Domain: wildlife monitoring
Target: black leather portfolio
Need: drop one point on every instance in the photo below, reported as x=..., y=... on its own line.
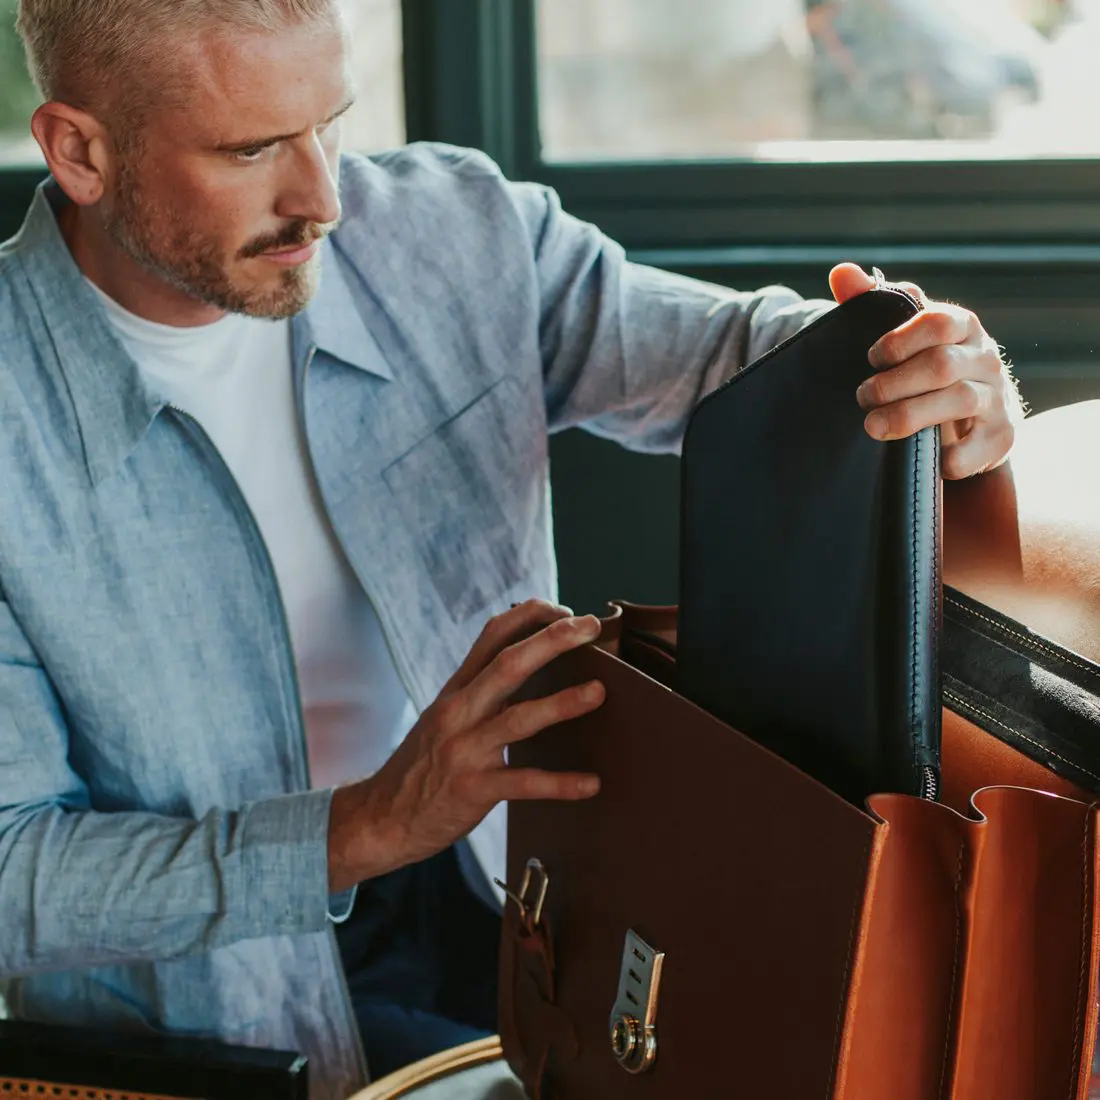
x=810, y=589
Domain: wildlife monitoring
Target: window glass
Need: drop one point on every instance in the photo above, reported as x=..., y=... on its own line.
x=18, y=97
x=818, y=79
x=375, y=122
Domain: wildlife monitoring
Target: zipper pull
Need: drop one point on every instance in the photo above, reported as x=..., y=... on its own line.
x=882, y=284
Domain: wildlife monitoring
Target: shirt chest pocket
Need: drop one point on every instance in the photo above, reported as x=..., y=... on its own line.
x=474, y=496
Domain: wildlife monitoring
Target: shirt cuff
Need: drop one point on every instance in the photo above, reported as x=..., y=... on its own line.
x=284, y=863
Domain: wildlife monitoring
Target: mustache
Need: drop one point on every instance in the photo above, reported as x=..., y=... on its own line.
x=295, y=235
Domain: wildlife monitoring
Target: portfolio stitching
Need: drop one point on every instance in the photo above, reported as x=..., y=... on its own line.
x=937, y=551
x=955, y=993
x=841, y=1010
x=967, y=705
x=1082, y=983
x=1030, y=642
x=916, y=598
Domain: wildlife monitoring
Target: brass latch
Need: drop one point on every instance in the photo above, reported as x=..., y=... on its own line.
x=535, y=877
x=634, y=1017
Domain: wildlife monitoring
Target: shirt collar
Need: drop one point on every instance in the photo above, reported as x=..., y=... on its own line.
x=114, y=407
x=333, y=321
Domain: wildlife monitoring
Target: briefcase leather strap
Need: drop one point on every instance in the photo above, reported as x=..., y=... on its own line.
x=533, y=1028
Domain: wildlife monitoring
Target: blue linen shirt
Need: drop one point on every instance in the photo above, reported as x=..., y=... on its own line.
x=163, y=860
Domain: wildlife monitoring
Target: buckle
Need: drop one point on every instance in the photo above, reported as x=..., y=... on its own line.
x=533, y=873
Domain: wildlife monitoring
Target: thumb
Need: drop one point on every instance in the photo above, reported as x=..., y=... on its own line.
x=848, y=280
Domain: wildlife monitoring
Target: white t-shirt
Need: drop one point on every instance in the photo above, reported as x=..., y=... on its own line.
x=235, y=378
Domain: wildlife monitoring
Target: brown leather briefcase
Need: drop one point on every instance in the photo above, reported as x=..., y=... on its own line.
x=716, y=923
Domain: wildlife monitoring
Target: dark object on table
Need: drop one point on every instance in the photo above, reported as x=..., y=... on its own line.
x=168, y=1068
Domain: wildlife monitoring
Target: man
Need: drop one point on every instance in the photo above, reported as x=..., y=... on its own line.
x=273, y=429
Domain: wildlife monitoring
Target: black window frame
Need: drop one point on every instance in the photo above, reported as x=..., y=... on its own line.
x=1016, y=240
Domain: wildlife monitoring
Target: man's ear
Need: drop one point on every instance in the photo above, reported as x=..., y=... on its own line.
x=76, y=149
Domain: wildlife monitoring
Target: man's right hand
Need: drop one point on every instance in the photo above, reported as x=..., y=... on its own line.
x=450, y=770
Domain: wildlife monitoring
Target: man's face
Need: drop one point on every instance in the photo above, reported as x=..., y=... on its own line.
x=224, y=194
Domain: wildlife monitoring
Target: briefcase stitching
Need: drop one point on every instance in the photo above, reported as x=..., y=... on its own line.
x=1030, y=643
x=966, y=706
x=842, y=1008
x=937, y=581
x=914, y=611
x=1082, y=985
x=955, y=992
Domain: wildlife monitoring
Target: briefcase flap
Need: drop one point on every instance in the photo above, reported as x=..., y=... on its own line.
x=744, y=872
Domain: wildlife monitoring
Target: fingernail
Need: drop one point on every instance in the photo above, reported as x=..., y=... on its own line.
x=863, y=396
x=566, y=610
x=589, y=786
x=592, y=692
x=877, y=425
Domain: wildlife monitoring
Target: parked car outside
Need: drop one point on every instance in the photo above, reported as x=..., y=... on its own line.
x=919, y=69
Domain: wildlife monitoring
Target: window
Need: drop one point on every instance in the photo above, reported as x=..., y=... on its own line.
x=625, y=107
x=948, y=142
x=816, y=79
x=376, y=121
x=18, y=97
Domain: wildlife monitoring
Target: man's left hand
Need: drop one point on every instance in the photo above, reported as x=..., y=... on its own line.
x=940, y=367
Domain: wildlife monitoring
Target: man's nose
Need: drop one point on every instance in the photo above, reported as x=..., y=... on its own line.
x=310, y=192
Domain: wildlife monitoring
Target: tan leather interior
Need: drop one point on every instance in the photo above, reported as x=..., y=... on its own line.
x=998, y=885
x=973, y=957
x=972, y=760
x=976, y=946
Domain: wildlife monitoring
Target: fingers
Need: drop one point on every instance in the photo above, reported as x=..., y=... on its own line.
x=962, y=401
x=934, y=369
x=500, y=631
x=939, y=324
x=531, y=784
x=978, y=452
x=524, y=720
x=848, y=280
x=514, y=665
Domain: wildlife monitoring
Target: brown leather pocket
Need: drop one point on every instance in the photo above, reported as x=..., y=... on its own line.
x=976, y=963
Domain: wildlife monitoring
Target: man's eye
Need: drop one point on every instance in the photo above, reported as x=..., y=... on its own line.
x=251, y=154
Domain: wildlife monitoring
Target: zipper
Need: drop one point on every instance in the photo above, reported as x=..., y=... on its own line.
x=398, y=665
x=395, y=655
x=930, y=784
x=929, y=776
x=290, y=671
x=882, y=284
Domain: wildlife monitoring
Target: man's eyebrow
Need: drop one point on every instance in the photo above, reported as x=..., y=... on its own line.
x=263, y=142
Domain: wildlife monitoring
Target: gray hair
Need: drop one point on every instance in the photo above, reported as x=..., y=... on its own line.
x=78, y=49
